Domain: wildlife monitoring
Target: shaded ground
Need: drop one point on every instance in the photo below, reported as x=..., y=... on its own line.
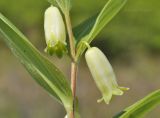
x=21, y=97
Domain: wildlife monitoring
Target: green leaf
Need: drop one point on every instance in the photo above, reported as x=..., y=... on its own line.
x=77, y=115
x=84, y=28
x=41, y=69
x=139, y=109
x=91, y=28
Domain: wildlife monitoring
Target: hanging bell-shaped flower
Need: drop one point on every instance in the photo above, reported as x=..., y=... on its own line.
x=55, y=33
x=103, y=74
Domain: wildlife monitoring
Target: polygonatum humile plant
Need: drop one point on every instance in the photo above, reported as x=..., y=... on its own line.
x=62, y=39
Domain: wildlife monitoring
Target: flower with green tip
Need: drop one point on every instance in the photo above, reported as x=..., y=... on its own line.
x=55, y=33
x=103, y=74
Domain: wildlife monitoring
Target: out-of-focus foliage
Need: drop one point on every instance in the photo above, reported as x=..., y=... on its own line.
x=139, y=19
x=26, y=12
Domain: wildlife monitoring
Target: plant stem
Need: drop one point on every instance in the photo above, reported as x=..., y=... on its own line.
x=73, y=78
x=74, y=66
x=71, y=37
x=74, y=69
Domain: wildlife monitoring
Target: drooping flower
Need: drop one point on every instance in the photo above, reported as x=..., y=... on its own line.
x=103, y=74
x=55, y=33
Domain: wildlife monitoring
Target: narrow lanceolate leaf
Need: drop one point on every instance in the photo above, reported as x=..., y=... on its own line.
x=95, y=24
x=139, y=109
x=41, y=69
x=84, y=28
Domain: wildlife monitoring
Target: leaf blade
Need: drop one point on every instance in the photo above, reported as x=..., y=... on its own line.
x=140, y=108
x=84, y=28
x=41, y=69
x=111, y=8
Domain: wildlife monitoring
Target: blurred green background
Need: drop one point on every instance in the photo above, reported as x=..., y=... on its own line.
x=131, y=41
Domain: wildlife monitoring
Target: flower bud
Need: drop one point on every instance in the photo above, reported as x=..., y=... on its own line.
x=103, y=74
x=55, y=33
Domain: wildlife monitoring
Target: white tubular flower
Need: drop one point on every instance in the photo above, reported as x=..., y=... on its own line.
x=66, y=116
x=55, y=33
x=103, y=74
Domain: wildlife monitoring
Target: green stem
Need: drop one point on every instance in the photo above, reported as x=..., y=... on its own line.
x=86, y=44
x=71, y=37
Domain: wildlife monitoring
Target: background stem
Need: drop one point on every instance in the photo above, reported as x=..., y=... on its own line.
x=74, y=66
